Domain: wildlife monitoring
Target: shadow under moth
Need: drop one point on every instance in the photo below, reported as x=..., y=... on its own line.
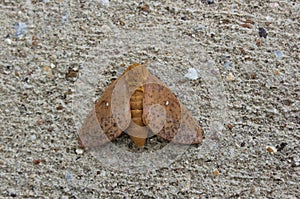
x=139, y=104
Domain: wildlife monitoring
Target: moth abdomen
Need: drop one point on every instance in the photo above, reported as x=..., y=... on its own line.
x=136, y=106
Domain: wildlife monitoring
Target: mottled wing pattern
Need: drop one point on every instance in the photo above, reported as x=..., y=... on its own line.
x=161, y=95
x=101, y=125
x=179, y=126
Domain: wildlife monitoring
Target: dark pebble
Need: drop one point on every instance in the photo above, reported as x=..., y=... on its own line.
x=262, y=32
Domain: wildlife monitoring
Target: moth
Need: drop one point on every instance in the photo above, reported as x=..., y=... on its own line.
x=139, y=104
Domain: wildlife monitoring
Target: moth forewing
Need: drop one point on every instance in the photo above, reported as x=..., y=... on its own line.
x=91, y=135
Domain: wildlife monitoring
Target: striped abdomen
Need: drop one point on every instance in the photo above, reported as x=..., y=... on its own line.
x=136, y=106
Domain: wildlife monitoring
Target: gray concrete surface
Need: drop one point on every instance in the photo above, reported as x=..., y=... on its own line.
x=57, y=57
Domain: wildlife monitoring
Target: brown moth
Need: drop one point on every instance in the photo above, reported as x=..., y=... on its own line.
x=139, y=104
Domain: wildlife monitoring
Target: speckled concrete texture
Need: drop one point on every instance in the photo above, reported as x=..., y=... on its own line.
x=57, y=57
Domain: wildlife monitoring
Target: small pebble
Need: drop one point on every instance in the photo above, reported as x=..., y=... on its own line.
x=32, y=176
x=216, y=172
x=59, y=107
x=52, y=65
x=33, y=137
x=227, y=65
x=145, y=8
x=270, y=19
x=38, y=161
x=104, y=2
x=230, y=77
x=8, y=41
x=68, y=175
x=278, y=54
x=258, y=42
x=246, y=25
x=192, y=74
x=64, y=18
x=230, y=126
x=267, y=23
x=262, y=32
x=243, y=144
x=210, y=1
x=79, y=151
x=122, y=23
x=72, y=74
x=35, y=40
x=21, y=29
x=271, y=149
x=276, y=72
x=12, y=192
x=253, y=75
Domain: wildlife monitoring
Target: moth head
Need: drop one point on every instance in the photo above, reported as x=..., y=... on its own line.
x=132, y=66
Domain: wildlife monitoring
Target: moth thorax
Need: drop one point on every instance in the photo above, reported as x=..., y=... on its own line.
x=136, y=106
